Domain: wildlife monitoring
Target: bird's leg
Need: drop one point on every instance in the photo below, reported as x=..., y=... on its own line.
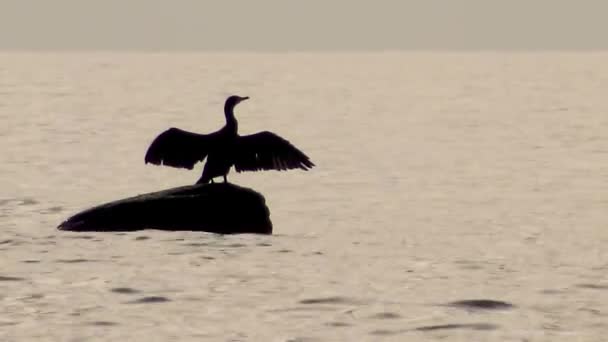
x=212, y=182
x=225, y=179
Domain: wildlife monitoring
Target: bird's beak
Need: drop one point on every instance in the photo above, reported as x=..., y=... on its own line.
x=244, y=98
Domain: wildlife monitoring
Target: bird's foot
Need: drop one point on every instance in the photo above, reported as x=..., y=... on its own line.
x=202, y=181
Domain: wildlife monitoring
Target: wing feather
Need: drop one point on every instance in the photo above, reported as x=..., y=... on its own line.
x=268, y=151
x=178, y=148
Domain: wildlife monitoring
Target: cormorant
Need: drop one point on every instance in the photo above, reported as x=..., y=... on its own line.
x=225, y=148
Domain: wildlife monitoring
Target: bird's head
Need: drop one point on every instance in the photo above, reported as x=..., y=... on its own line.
x=233, y=100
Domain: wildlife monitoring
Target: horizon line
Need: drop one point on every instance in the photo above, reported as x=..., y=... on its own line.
x=294, y=50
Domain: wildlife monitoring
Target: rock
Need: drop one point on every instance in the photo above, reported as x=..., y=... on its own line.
x=221, y=208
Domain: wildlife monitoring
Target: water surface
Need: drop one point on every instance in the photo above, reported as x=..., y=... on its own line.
x=457, y=195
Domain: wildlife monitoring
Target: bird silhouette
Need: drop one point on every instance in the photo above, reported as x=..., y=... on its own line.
x=226, y=148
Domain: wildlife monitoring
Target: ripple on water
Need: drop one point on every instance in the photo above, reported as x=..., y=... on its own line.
x=592, y=311
x=12, y=243
x=103, y=323
x=6, y=323
x=6, y=278
x=338, y=324
x=150, y=300
x=197, y=244
x=386, y=332
x=553, y=291
x=27, y=201
x=303, y=339
x=308, y=308
x=33, y=297
x=336, y=300
x=83, y=237
x=125, y=290
x=284, y=251
x=18, y=201
x=74, y=261
x=593, y=286
x=470, y=326
x=51, y=210
x=481, y=304
x=386, y=315
x=438, y=327
x=236, y=245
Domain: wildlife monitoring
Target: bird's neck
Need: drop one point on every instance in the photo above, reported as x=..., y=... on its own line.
x=231, y=122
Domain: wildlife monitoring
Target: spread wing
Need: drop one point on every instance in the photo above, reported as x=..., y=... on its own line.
x=179, y=148
x=268, y=151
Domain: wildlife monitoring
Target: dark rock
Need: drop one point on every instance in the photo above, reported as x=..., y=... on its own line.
x=221, y=208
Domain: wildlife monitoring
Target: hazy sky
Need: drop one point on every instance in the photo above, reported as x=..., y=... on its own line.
x=303, y=24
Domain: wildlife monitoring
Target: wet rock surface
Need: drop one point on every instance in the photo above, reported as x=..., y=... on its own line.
x=215, y=208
